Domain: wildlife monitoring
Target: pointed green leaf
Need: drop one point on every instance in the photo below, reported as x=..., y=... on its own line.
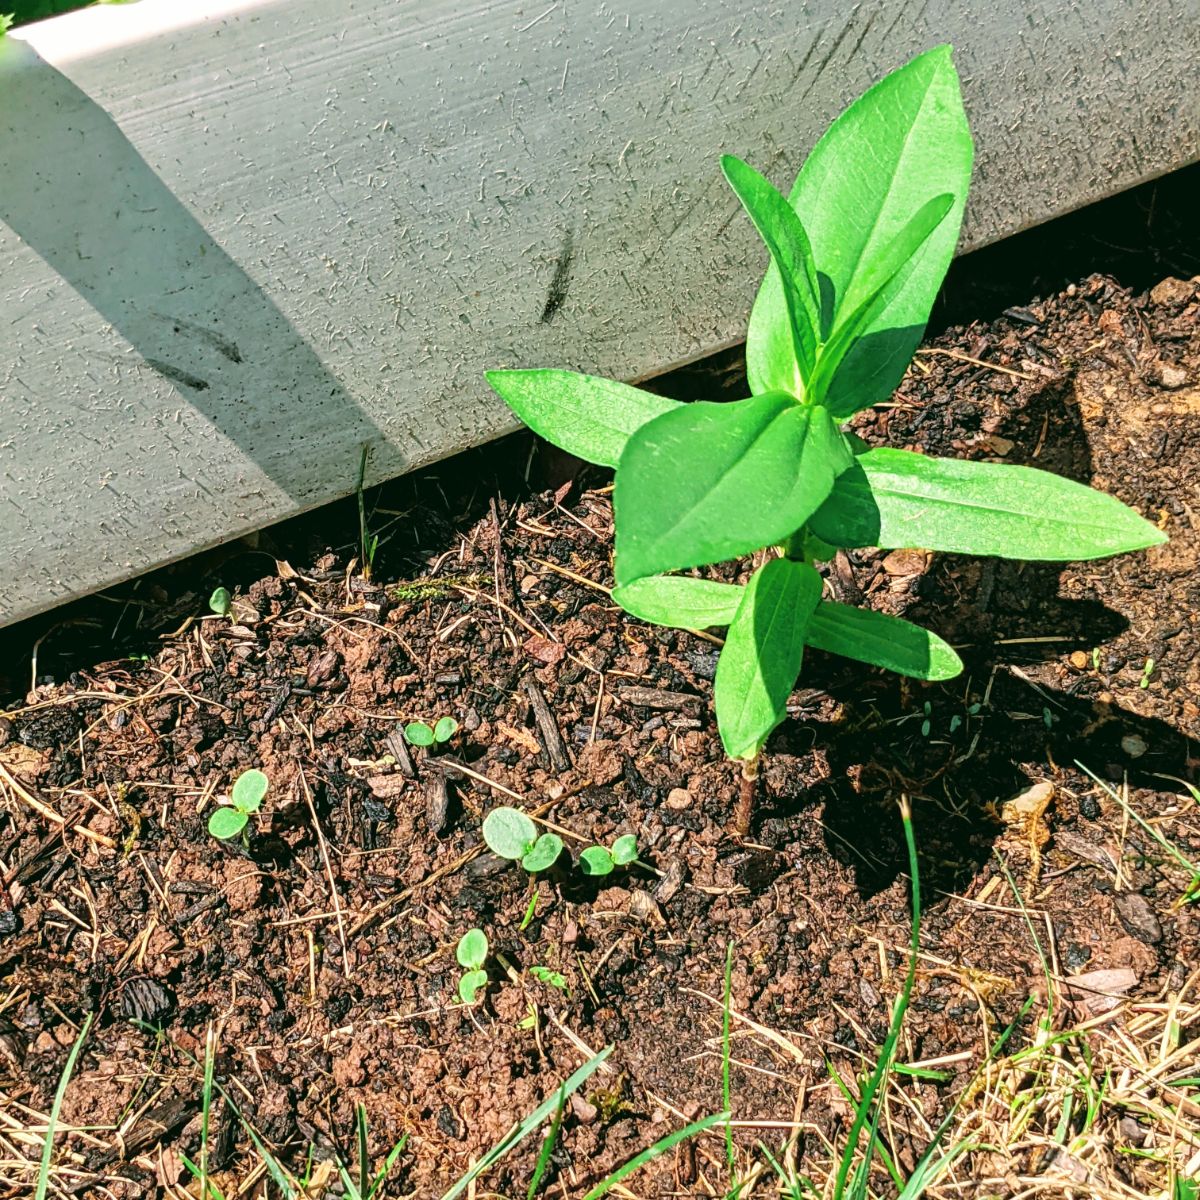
x=472, y=949
x=763, y=652
x=782, y=231
x=595, y=860
x=227, y=822
x=589, y=417
x=509, y=832
x=884, y=641
x=708, y=482
x=895, y=148
x=543, y=853
x=249, y=788
x=896, y=499
x=877, y=285
x=679, y=601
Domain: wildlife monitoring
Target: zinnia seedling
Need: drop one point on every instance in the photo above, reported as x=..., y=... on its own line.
x=596, y=860
x=511, y=834
x=858, y=250
x=247, y=796
x=472, y=952
x=417, y=733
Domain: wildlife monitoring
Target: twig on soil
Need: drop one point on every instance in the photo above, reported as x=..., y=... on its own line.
x=49, y=814
x=337, y=906
x=399, y=751
x=975, y=362
x=547, y=726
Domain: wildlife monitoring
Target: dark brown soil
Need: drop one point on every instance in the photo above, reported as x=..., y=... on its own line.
x=324, y=951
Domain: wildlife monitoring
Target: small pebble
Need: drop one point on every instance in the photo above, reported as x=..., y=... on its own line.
x=1133, y=745
x=679, y=799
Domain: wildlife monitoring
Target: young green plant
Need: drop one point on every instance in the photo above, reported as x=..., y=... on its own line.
x=472, y=953
x=858, y=249
x=596, y=860
x=509, y=833
x=246, y=797
x=417, y=733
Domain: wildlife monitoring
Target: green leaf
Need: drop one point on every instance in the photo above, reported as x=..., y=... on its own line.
x=470, y=985
x=417, y=733
x=896, y=499
x=546, y=975
x=249, y=788
x=894, y=149
x=763, y=652
x=889, y=642
x=221, y=602
x=472, y=949
x=876, y=284
x=624, y=850
x=589, y=417
x=708, y=482
x=509, y=833
x=679, y=601
x=226, y=822
x=445, y=729
x=542, y=854
x=595, y=860
x=782, y=231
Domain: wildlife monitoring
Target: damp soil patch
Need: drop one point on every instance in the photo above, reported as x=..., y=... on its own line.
x=323, y=950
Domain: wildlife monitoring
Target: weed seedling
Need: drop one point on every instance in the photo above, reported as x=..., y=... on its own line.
x=417, y=733
x=221, y=602
x=596, y=860
x=547, y=976
x=1147, y=671
x=511, y=834
x=858, y=250
x=247, y=796
x=472, y=952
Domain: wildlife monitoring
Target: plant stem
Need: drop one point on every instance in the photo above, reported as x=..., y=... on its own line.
x=747, y=786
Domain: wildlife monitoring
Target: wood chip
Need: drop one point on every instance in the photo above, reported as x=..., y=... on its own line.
x=660, y=698
x=547, y=726
x=1100, y=991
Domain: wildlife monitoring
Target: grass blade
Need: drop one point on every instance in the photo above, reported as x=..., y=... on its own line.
x=652, y=1152
x=527, y=1126
x=547, y=1146
x=730, y=1156
x=43, y=1179
x=863, y=1112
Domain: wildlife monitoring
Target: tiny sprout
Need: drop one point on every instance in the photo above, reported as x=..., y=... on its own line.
x=927, y=724
x=246, y=797
x=1095, y=658
x=511, y=834
x=551, y=978
x=472, y=952
x=417, y=733
x=221, y=602
x=596, y=860
x=1147, y=671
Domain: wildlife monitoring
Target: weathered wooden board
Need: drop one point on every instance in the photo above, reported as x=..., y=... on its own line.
x=240, y=240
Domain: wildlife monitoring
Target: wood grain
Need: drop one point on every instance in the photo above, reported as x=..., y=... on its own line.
x=238, y=241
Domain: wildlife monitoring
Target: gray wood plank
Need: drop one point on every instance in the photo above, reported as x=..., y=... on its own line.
x=239, y=240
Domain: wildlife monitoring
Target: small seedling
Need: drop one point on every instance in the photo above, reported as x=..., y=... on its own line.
x=511, y=834
x=472, y=953
x=1147, y=671
x=596, y=860
x=550, y=978
x=417, y=733
x=246, y=797
x=858, y=250
x=221, y=602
